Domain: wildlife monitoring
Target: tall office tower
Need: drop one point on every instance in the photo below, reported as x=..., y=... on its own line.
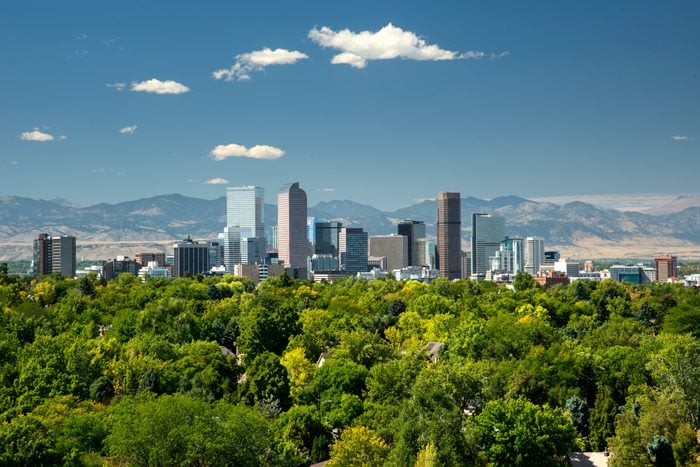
x=216, y=257
x=393, y=247
x=145, y=258
x=449, y=238
x=253, y=250
x=245, y=208
x=54, y=254
x=415, y=231
x=534, y=254
x=430, y=254
x=232, y=247
x=63, y=255
x=42, y=255
x=353, y=250
x=487, y=235
x=327, y=235
x=510, y=256
x=292, y=241
x=666, y=267
x=466, y=257
x=190, y=258
x=311, y=230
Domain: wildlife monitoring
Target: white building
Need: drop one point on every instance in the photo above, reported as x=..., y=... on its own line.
x=154, y=271
x=534, y=254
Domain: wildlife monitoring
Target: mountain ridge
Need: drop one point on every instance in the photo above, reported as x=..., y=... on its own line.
x=172, y=216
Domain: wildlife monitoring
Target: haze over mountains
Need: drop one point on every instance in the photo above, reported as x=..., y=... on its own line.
x=578, y=229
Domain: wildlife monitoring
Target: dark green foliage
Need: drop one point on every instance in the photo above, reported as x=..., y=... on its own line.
x=189, y=371
x=661, y=452
x=102, y=389
x=518, y=433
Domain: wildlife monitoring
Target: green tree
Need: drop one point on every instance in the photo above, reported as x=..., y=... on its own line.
x=358, y=446
x=518, y=433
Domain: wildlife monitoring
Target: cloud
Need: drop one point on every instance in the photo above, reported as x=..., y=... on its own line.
x=62, y=138
x=36, y=135
x=14, y=163
x=117, y=86
x=157, y=86
x=128, y=130
x=680, y=138
x=326, y=190
x=390, y=42
x=261, y=151
x=258, y=60
x=217, y=181
x=81, y=37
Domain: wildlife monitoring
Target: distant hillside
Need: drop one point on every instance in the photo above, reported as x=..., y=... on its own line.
x=161, y=219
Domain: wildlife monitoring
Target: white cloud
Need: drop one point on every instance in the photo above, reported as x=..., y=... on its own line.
x=217, y=181
x=390, y=42
x=326, y=190
x=128, y=130
x=261, y=151
x=14, y=163
x=36, y=135
x=117, y=86
x=680, y=138
x=257, y=61
x=157, y=86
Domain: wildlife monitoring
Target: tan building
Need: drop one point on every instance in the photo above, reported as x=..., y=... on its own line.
x=292, y=241
x=666, y=267
x=393, y=247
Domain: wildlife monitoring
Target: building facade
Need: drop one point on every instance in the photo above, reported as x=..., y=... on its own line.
x=54, y=254
x=449, y=236
x=190, y=258
x=353, y=250
x=666, y=267
x=292, y=241
x=415, y=232
x=393, y=247
x=488, y=231
x=534, y=254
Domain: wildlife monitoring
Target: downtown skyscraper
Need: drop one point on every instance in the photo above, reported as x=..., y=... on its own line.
x=292, y=238
x=244, y=213
x=488, y=231
x=449, y=237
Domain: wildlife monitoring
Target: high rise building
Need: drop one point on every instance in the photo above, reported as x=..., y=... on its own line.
x=327, y=236
x=510, y=257
x=54, y=254
x=353, y=246
x=245, y=208
x=487, y=235
x=666, y=267
x=449, y=237
x=144, y=258
x=119, y=265
x=534, y=254
x=190, y=258
x=232, y=247
x=292, y=241
x=393, y=247
x=415, y=232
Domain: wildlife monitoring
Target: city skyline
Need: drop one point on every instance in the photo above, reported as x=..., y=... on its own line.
x=247, y=97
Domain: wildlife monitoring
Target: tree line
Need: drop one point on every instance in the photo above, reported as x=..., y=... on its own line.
x=215, y=371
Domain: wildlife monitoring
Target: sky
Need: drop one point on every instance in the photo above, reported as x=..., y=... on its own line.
x=380, y=102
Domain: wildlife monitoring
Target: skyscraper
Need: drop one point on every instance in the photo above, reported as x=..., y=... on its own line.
x=190, y=258
x=353, y=250
x=54, y=254
x=487, y=235
x=534, y=254
x=292, y=241
x=232, y=247
x=666, y=267
x=449, y=237
x=393, y=247
x=415, y=231
x=326, y=235
x=245, y=208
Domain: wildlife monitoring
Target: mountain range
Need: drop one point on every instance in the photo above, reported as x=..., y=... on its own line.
x=579, y=229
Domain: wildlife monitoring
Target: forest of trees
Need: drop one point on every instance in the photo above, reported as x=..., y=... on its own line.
x=214, y=371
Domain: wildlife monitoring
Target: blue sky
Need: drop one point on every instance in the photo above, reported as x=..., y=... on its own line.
x=488, y=98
